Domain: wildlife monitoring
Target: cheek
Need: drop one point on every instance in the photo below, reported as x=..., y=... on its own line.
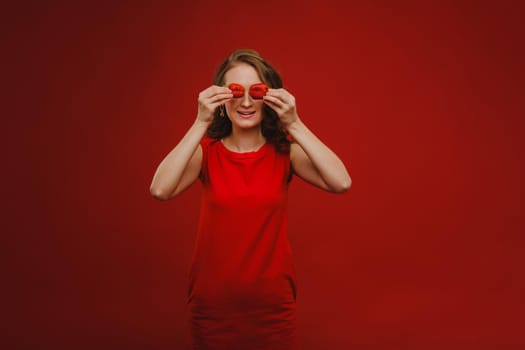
x=231, y=106
x=259, y=106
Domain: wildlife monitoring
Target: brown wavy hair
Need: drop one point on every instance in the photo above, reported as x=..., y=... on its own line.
x=270, y=126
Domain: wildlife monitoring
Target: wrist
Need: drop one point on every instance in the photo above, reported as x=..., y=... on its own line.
x=201, y=123
x=200, y=127
x=295, y=127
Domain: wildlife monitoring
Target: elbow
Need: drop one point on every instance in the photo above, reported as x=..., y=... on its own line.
x=158, y=194
x=343, y=186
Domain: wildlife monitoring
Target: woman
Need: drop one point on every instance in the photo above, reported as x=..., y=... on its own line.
x=244, y=146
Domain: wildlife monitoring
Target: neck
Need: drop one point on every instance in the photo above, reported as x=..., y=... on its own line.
x=245, y=140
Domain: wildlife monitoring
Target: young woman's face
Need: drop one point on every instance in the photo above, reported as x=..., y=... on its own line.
x=245, y=111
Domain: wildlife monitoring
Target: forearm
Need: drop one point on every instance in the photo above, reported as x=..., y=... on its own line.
x=171, y=169
x=328, y=164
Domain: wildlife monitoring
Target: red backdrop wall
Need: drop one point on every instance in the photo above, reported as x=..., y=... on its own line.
x=423, y=101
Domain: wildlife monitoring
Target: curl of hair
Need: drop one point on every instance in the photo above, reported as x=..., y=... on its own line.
x=271, y=128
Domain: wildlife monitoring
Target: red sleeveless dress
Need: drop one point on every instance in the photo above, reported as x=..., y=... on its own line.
x=242, y=282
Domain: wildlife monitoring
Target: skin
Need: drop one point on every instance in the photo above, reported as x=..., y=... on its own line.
x=311, y=159
x=246, y=131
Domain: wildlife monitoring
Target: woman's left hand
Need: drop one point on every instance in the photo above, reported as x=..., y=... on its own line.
x=283, y=103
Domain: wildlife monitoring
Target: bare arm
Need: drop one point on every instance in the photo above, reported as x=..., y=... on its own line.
x=181, y=167
x=315, y=163
x=311, y=159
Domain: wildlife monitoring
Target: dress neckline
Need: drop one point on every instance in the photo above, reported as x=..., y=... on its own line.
x=250, y=154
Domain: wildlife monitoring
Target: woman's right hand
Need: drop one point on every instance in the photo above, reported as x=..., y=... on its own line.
x=210, y=99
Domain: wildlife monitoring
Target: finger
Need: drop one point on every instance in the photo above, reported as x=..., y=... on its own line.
x=223, y=97
x=281, y=95
x=278, y=91
x=214, y=105
x=273, y=101
x=273, y=106
x=214, y=90
x=219, y=89
x=219, y=99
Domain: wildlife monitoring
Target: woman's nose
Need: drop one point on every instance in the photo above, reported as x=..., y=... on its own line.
x=246, y=100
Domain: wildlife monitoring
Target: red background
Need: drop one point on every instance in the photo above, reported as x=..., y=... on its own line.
x=423, y=101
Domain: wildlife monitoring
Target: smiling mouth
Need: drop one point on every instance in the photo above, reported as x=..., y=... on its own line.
x=246, y=114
